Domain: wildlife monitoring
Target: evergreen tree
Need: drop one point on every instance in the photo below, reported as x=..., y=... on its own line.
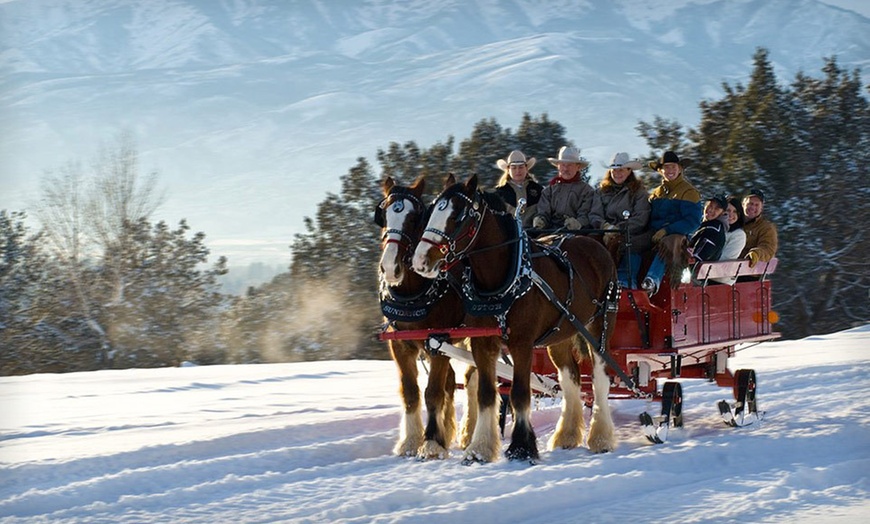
x=805, y=146
x=541, y=138
x=478, y=153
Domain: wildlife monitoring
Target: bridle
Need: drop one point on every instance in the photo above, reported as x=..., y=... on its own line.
x=396, y=199
x=467, y=226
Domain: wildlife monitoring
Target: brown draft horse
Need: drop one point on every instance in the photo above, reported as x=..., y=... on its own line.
x=402, y=215
x=471, y=227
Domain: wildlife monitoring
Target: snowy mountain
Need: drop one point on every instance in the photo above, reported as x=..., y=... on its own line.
x=252, y=109
x=312, y=442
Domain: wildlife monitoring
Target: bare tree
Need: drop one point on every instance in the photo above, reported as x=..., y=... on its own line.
x=86, y=217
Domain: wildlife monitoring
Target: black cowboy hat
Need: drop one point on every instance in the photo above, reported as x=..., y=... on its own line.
x=668, y=157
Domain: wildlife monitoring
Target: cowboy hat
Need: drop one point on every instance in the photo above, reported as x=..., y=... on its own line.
x=622, y=160
x=668, y=158
x=568, y=155
x=515, y=158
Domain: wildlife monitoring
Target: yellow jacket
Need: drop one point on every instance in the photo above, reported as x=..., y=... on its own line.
x=760, y=238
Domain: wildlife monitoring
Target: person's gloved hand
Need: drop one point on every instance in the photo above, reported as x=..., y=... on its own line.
x=572, y=223
x=539, y=222
x=753, y=258
x=608, y=225
x=659, y=235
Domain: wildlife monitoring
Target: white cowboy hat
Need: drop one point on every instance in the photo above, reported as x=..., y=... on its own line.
x=515, y=158
x=568, y=155
x=622, y=160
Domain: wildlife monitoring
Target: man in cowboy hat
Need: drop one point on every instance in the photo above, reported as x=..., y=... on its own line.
x=568, y=201
x=517, y=182
x=761, y=237
x=675, y=213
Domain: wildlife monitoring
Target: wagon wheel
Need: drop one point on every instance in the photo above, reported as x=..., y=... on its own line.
x=745, y=409
x=672, y=403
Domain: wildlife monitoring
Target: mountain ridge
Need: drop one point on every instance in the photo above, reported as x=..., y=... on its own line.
x=252, y=110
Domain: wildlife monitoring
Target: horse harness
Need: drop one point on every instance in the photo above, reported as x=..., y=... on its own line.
x=522, y=278
x=394, y=306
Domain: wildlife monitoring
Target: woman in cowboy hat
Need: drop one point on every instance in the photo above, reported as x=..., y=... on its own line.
x=517, y=182
x=675, y=213
x=568, y=201
x=621, y=190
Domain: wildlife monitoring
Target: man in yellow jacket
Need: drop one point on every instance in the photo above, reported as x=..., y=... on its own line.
x=761, y=241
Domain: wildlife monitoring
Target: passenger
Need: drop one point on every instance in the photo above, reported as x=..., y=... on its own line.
x=675, y=213
x=761, y=240
x=708, y=240
x=735, y=237
x=621, y=190
x=517, y=182
x=568, y=201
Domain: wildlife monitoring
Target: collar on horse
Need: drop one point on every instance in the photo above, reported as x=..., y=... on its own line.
x=518, y=282
x=415, y=307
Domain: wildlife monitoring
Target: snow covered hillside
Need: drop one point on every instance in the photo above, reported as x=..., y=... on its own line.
x=311, y=442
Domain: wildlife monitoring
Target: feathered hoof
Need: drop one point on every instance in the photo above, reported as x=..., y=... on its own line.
x=432, y=450
x=477, y=457
x=407, y=447
x=601, y=443
x=515, y=453
x=565, y=441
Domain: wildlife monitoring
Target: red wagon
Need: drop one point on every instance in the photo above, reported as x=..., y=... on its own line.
x=685, y=331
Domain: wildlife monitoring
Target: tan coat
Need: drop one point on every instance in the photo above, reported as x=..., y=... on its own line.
x=760, y=238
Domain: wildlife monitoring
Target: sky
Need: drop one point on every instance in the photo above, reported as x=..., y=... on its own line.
x=862, y=7
x=237, y=164
x=312, y=442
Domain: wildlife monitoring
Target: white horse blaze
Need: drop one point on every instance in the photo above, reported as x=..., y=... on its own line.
x=438, y=220
x=390, y=263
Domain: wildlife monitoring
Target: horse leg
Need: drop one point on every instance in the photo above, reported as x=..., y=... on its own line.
x=469, y=418
x=441, y=422
x=411, y=428
x=602, y=434
x=571, y=425
x=485, y=441
x=524, y=444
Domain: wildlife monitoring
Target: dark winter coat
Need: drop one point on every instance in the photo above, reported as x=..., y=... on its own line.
x=511, y=193
x=707, y=242
x=617, y=199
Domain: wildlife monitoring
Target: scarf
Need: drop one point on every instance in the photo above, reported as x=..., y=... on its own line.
x=560, y=180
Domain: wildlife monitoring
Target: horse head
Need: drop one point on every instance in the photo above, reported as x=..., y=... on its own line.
x=452, y=227
x=400, y=213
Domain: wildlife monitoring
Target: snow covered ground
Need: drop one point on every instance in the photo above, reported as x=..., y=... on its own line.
x=312, y=442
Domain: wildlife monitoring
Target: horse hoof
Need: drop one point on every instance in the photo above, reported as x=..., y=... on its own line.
x=432, y=450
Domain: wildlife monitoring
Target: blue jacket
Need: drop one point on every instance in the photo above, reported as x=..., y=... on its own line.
x=676, y=207
x=675, y=216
